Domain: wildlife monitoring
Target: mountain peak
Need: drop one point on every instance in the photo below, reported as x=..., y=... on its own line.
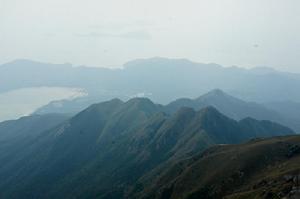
x=22, y=62
x=95, y=109
x=139, y=101
x=213, y=94
x=217, y=91
x=113, y=101
x=160, y=61
x=141, y=104
x=214, y=98
x=27, y=63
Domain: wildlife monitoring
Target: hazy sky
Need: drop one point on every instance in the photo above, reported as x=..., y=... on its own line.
x=110, y=32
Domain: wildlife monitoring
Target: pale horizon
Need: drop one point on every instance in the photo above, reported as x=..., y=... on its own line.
x=121, y=66
x=110, y=33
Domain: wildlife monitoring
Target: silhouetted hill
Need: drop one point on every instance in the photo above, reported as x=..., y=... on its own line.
x=235, y=108
x=289, y=110
x=227, y=104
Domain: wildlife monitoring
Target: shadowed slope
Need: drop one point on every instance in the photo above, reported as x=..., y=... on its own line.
x=258, y=169
x=102, y=151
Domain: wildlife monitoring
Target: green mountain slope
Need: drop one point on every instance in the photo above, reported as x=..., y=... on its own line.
x=102, y=151
x=15, y=135
x=264, y=168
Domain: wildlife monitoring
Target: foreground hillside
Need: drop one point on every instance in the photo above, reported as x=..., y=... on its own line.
x=262, y=168
x=105, y=149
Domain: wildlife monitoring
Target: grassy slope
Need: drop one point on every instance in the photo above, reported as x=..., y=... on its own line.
x=258, y=169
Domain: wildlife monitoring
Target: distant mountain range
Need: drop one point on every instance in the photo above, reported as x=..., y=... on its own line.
x=237, y=141
x=106, y=149
x=159, y=79
x=238, y=109
x=227, y=104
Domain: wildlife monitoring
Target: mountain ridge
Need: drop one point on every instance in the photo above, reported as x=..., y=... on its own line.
x=234, y=108
x=110, y=145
